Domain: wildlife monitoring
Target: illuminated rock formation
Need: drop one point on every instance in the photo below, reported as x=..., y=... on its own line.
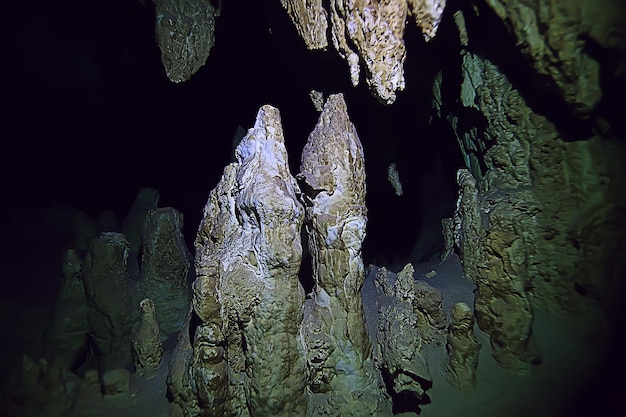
x=185, y=34
x=311, y=20
x=333, y=182
x=247, y=357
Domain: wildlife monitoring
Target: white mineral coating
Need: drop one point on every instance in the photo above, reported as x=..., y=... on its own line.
x=185, y=32
x=310, y=19
x=248, y=358
x=333, y=176
x=375, y=30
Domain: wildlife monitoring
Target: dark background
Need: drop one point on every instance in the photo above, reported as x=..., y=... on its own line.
x=88, y=116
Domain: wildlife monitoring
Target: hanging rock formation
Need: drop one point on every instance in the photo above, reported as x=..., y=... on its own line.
x=185, y=34
x=165, y=267
x=557, y=38
x=333, y=182
x=311, y=20
x=247, y=301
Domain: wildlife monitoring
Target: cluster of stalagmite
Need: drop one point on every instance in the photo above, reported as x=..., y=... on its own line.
x=252, y=344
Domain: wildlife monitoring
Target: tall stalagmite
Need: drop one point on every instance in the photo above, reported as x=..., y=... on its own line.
x=247, y=300
x=333, y=181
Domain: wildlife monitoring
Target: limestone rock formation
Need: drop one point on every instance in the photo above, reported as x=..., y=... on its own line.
x=428, y=305
x=185, y=34
x=146, y=345
x=109, y=297
x=311, y=20
x=399, y=336
x=132, y=226
x=462, y=347
x=165, y=267
x=557, y=37
x=67, y=332
x=333, y=183
x=247, y=356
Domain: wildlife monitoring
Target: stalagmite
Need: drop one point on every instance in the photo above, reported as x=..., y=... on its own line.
x=462, y=347
x=165, y=267
x=247, y=355
x=333, y=181
x=146, y=345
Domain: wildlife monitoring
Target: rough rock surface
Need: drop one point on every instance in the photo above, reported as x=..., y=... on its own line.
x=333, y=182
x=132, y=225
x=247, y=356
x=428, y=305
x=399, y=337
x=67, y=333
x=311, y=20
x=165, y=267
x=527, y=202
x=109, y=295
x=462, y=347
x=185, y=33
x=146, y=344
x=557, y=38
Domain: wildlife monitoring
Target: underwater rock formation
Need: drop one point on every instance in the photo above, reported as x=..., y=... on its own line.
x=310, y=19
x=462, y=347
x=428, y=306
x=247, y=300
x=67, y=333
x=109, y=295
x=132, y=225
x=185, y=34
x=399, y=336
x=146, y=345
x=165, y=267
x=333, y=182
x=558, y=38
x=526, y=204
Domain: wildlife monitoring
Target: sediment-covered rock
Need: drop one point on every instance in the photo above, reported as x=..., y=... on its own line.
x=462, y=347
x=132, y=225
x=185, y=32
x=165, y=267
x=333, y=182
x=428, y=305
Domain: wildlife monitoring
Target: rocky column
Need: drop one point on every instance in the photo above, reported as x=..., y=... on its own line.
x=109, y=299
x=248, y=358
x=333, y=181
x=147, y=347
x=165, y=266
x=462, y=347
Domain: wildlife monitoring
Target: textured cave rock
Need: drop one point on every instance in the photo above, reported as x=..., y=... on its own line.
x=165, y=267
x=146, y=345
x=185, y=34
x=132, y=225
x=310, y=19
x=428, y=305
x=333, y=183
x=67, y=332
x=531, y=207
x=559, y=38
x=462, y=347
x=109, y=295
x=247, y=356
x=399, y=334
